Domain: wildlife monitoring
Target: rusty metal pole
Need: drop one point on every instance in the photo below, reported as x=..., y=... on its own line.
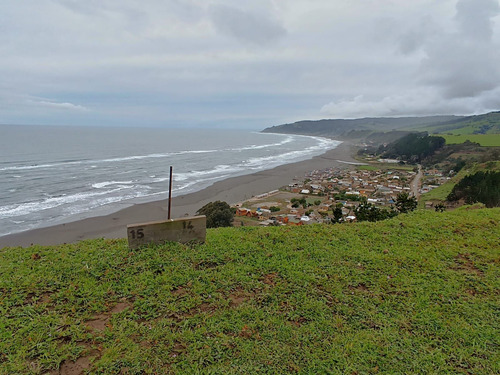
x=170, y=193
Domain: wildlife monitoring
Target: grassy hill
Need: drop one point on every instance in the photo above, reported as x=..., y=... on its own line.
x=357, y=128
x=483, y=129
x=415, y=294
x=488, y=123
x=486, y=140
x=439, y=194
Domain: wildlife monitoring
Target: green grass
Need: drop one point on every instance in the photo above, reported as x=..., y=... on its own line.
x=465, y=130
x=488, y=123
x=417, y=294
x=374, y=166
x=440, y=193
x=366, y=168
x=487, y=140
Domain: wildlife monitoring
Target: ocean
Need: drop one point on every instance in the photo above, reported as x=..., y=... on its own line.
x=50, y=175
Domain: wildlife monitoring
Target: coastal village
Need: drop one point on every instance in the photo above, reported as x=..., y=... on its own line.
x=311, y=199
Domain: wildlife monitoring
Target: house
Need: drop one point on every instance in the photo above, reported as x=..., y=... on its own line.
x=246, y=212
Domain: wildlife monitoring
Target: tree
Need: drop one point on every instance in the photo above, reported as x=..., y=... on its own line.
x=337, y=213
x=412, y=147
x=370, y=212
x=481, y=187
x=297, y=202
x=219, y=214
x=440, y=207
x=405, y=203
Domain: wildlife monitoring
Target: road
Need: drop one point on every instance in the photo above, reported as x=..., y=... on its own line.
x=416, y=182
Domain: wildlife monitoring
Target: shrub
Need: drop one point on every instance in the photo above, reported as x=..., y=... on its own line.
x=219, y=214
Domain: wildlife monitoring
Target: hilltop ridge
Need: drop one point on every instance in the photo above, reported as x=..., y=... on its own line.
x=350, y=128
x=376, y=127
x=414, y=294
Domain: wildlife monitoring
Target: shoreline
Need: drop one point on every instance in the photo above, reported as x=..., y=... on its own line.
x=231, y=190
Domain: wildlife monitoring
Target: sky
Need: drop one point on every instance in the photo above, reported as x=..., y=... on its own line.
x=245, y=64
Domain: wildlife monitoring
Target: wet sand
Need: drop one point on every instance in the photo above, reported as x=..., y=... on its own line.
x=231, y=190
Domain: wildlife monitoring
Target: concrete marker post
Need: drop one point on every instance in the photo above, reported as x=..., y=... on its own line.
x=189, y=229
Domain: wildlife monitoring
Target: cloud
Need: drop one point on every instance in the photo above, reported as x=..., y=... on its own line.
x=458, y=68
x=62, y=106
x=11, y=99
x=417, y=102
x=416, y=37
x=465, y=63
x=474, y=18
x=244, y=25
x=181, y=61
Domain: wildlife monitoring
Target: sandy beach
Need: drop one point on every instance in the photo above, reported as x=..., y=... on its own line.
x=231, y=190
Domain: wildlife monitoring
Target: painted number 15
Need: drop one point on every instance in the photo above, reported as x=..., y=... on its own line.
x=137, y=234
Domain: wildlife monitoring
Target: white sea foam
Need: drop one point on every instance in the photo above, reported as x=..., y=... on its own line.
x=100, y=185
x=260, y=147
x=260, y=162
x=51, y=202
x=100, y=161
x=34, y=166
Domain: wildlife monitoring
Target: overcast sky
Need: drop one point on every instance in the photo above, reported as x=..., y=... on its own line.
x=246, y=64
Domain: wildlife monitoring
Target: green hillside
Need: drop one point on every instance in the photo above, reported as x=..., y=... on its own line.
x=483, y=129
x=358, y=128
x=486, y=140
x=439, y=194
x=488, y=123
x=415, y=294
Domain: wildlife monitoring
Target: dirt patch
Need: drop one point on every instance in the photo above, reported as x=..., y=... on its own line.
x=246, y=332
x=98, y=322
x=82, y=364
x=465, y=263
x=238, y=296
x=270, y=279
x=45, y=298
x=179, y=317
x=265, y=204
x=146, y=344
x=203, y=308
x=32, y=298
x=179, y=291
x=63, y=340
x=236, y=300
x=120, y=306
x=361, y=287
x=29, y=298
x=75, y=368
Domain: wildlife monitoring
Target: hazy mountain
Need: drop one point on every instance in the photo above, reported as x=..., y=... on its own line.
x=359, y=128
